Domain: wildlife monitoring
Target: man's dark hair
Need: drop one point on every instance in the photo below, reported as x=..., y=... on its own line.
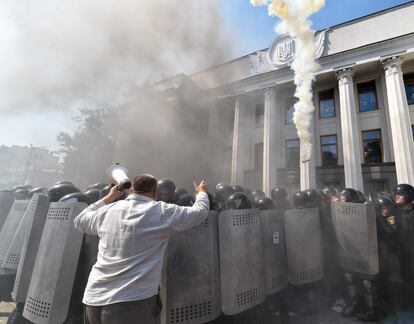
x=145, y=183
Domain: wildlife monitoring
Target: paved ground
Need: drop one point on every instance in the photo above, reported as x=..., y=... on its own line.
x=5, y=311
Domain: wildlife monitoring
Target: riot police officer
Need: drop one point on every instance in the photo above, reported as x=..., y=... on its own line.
x=403, y=197
x=389, y=281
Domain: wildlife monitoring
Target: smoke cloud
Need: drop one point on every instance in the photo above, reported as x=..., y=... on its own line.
x=57, y=55
x=295, y=21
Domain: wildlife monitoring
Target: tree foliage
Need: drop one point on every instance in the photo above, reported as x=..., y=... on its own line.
x=88, y=152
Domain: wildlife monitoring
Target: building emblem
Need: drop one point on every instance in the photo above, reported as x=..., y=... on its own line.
x=281, y=53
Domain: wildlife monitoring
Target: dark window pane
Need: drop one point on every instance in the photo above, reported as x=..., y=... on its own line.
x=409, y=91
x=372, y=146
x=326, y=104
x=412, y=131
x=330, y=139
x=259, y=116
x=367, y=96
x=329, y=150
x=371, y=135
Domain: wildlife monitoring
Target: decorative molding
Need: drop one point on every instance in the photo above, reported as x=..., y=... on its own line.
x=392, y=65
x=344, y=76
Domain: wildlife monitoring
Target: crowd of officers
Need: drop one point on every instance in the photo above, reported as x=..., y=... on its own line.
x=386, y=295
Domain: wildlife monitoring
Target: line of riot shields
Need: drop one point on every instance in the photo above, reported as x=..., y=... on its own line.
x=250, y=250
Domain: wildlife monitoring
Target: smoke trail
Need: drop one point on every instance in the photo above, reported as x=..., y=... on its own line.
x=294, y=15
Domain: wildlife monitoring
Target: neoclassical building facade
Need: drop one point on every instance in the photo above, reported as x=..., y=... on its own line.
x=364, y=109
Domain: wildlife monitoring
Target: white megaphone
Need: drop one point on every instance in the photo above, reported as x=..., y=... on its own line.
x=118, y=173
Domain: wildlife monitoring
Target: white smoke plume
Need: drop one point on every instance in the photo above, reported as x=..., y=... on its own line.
x=294, y=16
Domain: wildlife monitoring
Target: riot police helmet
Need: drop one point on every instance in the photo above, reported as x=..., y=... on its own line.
x=383, y=200
x=328, y=193
x=64, y=182
x=238, y=189
x=300, y=200
x=60, y=190
x=99, y=185
x=265, y=203
x=349, y=195
x=186, y=200
x=405, y=190
x=238, y=200
x=361, y=197
x=76, y=197
x=93, y=194
x=165, y=190
x=258, y=194
x=278, y=194
x=223, y=192
x=213, y=203
x=313, y=197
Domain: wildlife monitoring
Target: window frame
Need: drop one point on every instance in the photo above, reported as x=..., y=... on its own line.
x=322, y=145
x=259, y=122
x=381, y=144
x=319, y=102
x=410, y=81
x=375, y=93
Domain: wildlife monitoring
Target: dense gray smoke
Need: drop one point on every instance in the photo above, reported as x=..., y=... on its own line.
x=59, y=54
x=100, y=53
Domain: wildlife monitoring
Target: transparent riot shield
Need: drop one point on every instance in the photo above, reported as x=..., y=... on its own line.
x=274, y=250
x=55, y=266
x=356, y=233
x=241, y=263
x=303, y=245
x=190, y=287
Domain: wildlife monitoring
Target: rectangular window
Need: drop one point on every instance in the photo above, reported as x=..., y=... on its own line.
x=367, y=96
x=292, y=153
x=372, y=146
x=412, y=130
x=259, y=116
x=326, y=104
x=409, y=88
x=329, y=150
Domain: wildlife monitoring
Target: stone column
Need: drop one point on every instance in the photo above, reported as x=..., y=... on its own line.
x=239, y=141
x=402, y=138
x=272, y=150
x=350, y=131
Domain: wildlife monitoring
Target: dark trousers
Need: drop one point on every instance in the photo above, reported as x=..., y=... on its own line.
x=146, y=311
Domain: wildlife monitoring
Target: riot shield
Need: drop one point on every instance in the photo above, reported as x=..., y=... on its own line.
x=241, y=263
x=54, y=270
x=9, y=228
x=356, y=233
x=6, y=201
x=12, y=257
x=274, y=250
x=36, y=217
x=190, y=286
x=303, y=245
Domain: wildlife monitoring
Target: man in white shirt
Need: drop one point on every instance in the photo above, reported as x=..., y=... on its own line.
x=133, y=235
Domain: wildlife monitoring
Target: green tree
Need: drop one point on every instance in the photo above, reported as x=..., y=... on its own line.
x=88, y=152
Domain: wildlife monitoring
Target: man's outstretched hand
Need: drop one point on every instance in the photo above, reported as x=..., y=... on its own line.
x=202, y=187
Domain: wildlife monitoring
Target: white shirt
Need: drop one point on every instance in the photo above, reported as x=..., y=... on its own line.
x=133, y=235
